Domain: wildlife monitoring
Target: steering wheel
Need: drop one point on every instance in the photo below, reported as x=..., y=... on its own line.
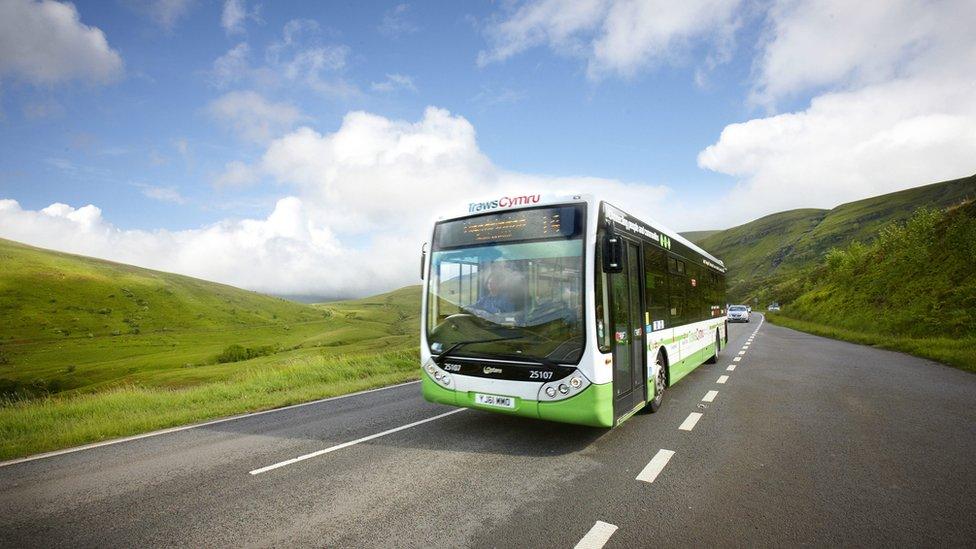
x=452, y=322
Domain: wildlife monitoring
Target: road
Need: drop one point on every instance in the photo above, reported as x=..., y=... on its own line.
x=808, y=441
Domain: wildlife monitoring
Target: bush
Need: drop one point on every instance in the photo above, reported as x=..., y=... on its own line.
x=237, y=353
x=917, y=279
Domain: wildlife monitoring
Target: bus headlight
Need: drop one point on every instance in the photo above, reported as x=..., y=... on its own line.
x=437, y=376
x=430, y=369
x=446, y=380
x=575, y=382
x=563, y=389
x=551, y=391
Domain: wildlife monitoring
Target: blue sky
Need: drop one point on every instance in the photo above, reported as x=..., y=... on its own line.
x=186, y=124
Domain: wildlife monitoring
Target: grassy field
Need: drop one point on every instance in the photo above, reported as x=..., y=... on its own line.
x=91, y=349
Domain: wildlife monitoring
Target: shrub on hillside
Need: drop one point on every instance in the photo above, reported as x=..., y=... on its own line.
x=916, y=279
x=237, y=353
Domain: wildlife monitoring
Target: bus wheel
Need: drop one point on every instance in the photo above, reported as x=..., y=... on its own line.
x=660, y=382
x=718, y=347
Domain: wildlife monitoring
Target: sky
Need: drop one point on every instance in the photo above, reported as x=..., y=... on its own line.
x=307, y=147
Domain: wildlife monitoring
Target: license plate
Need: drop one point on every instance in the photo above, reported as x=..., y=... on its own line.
x=494, y=400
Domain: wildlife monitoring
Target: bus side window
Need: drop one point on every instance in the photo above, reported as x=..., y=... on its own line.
x=656, y=288
x=676, y=294
x=602, y=306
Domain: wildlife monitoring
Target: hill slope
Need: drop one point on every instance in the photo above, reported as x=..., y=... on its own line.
x=913, y=288
x=765, y=252
x=72, y=324
x=53, y=295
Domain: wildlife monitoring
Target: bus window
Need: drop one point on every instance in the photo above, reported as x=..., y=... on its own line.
x=602, y=308
x=693, y=292
x=656, y=288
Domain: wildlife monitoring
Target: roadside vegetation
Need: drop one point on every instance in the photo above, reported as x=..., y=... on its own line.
x=54, y=422
x=91, y=349
x=911, y=289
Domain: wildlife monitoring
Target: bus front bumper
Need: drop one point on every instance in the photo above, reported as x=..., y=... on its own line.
x=593, y=406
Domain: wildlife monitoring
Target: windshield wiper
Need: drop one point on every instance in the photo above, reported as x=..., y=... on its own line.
x=541, y=360
x=440, y=358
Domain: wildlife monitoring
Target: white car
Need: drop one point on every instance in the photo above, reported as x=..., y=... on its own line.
x=773, y=307
x=738, y=313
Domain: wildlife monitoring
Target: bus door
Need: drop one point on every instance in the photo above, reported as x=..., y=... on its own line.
x=629, y=377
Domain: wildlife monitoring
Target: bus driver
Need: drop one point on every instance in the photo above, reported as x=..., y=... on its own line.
x=493, y=300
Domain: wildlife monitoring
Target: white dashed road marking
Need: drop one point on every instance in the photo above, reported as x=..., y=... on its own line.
x=731, y=367
x=710, y=396
x=598, y=536
x=351, y=443
x=690, y=422
x=722, y=379
x=737, y=359
x=741, y=353
x=655, y=466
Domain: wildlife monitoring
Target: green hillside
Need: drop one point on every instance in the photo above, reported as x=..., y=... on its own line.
x=913, y=288
x=91, y=349
x=52, y=295
x=763, y=254
x=73, y=324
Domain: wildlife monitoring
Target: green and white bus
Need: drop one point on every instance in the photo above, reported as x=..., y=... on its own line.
x=565, y=309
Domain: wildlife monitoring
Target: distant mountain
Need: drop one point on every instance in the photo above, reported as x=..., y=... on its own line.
x=762, y=252
x=695, y=236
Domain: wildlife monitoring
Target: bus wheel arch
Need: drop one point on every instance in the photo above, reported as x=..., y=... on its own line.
x=718, y=347
x=662, y=380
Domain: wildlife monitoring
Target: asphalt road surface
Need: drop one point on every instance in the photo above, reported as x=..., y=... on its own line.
x=808, y=441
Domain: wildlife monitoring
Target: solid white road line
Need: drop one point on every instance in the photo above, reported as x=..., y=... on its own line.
x=710, y=396
x=737, y=359
x=655, y=466
x=193, y=426
x=722, y=379
x=731, y=367
x=598, y=536
x=351, y=443
x=690, y=422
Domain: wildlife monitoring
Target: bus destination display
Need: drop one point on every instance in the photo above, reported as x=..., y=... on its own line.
x=518, y=225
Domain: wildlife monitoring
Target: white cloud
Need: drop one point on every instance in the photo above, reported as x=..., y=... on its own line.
x=231, y=67
x=237, y=174
x=252, y=117
x=165, y=13
x=900, y=110
x=46, y=43
x=393, y=83
x=614, y=37
x=162, y=194
x=233, y=16
x=298, y=58
x=362, y=200
x=396, y=23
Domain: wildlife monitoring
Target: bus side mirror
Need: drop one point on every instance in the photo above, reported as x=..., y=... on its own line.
x=613, y=249
x=423, y=260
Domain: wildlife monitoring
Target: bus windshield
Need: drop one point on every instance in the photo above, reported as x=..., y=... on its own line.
x=510, y=285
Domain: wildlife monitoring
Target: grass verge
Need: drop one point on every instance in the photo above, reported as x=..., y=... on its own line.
x=56, y=422
x=960, y=353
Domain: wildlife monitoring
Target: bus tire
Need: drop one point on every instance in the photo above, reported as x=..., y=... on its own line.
x=660, y=382
x=718, y=347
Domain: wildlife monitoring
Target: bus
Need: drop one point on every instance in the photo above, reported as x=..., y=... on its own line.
x=565, y=309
